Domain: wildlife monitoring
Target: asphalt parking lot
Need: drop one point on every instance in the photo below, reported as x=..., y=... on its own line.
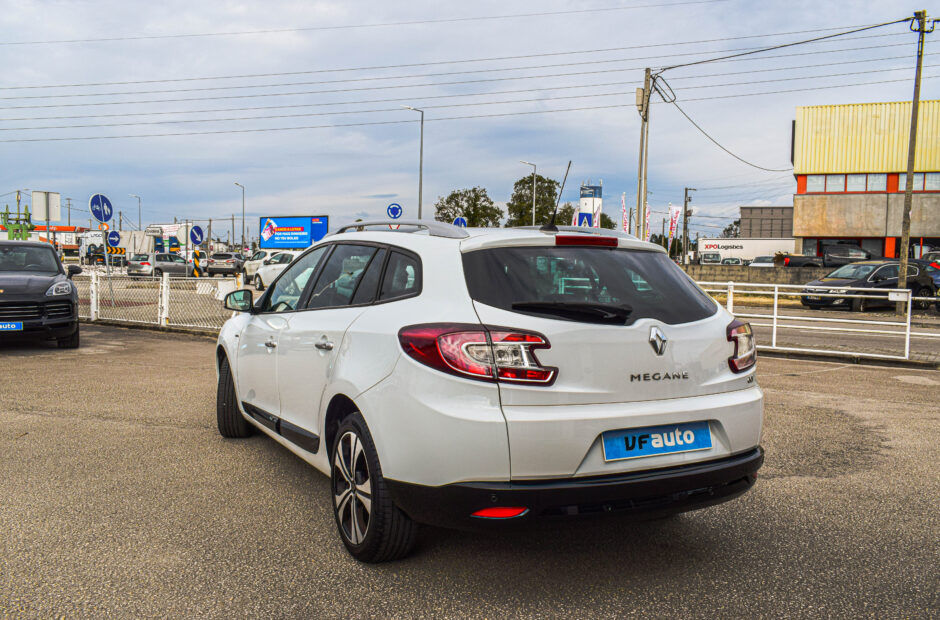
x=119, y=498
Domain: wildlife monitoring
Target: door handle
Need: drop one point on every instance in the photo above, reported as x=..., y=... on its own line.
x=270, y=344
x=324, y=345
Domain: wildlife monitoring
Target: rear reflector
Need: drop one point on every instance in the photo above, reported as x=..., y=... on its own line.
x=500, y=512
x=610, y=242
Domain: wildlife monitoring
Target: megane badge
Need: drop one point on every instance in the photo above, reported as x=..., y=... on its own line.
x=657, y=340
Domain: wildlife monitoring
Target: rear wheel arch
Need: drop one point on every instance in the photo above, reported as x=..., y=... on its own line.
x=340, y=406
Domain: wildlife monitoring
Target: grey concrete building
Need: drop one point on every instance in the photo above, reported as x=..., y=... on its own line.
x=766, y=222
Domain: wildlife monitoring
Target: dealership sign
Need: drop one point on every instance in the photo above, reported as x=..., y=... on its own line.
x=283, y=233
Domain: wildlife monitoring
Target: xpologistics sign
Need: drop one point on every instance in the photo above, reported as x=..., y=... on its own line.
x=281, y=233
x=722, y=246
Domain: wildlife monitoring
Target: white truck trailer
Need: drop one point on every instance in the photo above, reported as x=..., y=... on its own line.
x=745, y=249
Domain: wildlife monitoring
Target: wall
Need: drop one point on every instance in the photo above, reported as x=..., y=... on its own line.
x=863, y=215
x=764, y=275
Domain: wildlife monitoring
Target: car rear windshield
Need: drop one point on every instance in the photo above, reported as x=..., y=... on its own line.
x=139, y=258
x=26, y=258
x=221, y=256
x=581, y=283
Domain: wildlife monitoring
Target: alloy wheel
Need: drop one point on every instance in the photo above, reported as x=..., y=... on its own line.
x=352, y=488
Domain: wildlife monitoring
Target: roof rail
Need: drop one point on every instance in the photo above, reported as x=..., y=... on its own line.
x=588, y=230
x=434, y=228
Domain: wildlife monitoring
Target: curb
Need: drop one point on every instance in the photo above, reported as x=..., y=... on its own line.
x=852, y=359
x=208, y=334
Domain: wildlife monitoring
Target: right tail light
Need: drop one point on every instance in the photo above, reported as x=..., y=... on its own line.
x=745, y=348
x=493, y=354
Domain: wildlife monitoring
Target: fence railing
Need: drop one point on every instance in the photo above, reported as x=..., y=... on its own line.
x=841, y=297
x=196, y=303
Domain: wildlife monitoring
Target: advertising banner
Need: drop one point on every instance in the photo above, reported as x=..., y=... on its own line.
x=646, y=208
x=673, y=224
x=282, y=233
x=623, y=213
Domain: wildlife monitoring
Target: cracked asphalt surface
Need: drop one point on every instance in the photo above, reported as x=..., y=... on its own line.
x=119, y=499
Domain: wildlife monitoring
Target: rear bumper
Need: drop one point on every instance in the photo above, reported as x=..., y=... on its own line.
x=650, y=492
x=224, y=269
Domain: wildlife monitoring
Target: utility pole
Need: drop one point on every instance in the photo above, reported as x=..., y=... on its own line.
x=920, y=18
x=242, y=249
x=662, y=237
x=139, y=226
x=533, y=187
x=209, y=247
x=686, y=212
x=643, y=105
x=420, y=159
x=234, y=238
x=68, y=202
x=121, y=221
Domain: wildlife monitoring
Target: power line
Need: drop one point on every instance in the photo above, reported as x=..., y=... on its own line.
x=471, y=60
x=369, y=123
x=355, y=26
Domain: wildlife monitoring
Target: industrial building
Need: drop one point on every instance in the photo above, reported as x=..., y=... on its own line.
x=766, y=222
x=849, y=163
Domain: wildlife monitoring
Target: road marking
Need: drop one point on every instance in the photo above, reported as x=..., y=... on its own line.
x=916, y=380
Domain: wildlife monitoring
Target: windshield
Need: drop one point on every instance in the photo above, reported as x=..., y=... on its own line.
x=585, y=284
x=139, y=257
x=26, y=258
x=852, y=271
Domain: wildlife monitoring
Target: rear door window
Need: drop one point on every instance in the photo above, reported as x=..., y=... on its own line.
x=587, y=284
x=340, y=276
x=365, y=292
x=402, y=277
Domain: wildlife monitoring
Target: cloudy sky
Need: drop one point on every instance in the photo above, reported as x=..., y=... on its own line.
x=300, y=101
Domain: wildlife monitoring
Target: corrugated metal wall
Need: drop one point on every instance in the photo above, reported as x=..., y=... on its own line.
x=865, y=137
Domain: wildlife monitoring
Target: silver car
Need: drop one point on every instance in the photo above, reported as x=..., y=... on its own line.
x=158, y=264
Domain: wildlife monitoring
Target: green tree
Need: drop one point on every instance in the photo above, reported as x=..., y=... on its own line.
x=732, y=230
x=607, y=221
x=473, y=204
x=519, y=207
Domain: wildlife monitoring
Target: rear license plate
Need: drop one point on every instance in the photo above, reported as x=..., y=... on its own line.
x=813, y=297
x=11, y=327
x=632, y=443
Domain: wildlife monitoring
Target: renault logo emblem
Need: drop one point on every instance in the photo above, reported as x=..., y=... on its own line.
x=657, y=340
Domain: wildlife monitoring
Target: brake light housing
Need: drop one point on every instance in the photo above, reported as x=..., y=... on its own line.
x=745, y=347
x=482, y=353
x=595, y=240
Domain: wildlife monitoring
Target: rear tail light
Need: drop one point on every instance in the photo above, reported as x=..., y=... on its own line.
x=745, y=349
x=500, y=512
x=610, y=242
x=145, y=264
x=227, y=261
x=478, y=352
x=786, y=261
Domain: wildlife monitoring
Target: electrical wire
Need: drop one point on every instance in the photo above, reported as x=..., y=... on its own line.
x=447, y=20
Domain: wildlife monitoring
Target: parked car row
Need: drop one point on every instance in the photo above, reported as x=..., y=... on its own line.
x=923, y=280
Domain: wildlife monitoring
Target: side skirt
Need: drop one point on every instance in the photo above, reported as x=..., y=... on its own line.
x=300, y=437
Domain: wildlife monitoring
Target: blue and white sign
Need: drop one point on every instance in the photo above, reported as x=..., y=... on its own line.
x=196, y=236
x=100, y=208
x=11, y=327
x=460, y=221
x=292, y=233
x=394, y=210
x=585, y=219
x=114, y=238
x=634, y=443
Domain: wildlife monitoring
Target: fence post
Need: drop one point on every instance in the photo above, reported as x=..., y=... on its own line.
x=163, y=307
x=907, y=334
x=93, y=296
x=773, y=340
x=730, y=302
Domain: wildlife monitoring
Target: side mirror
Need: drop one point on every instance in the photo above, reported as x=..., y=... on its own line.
x=239, y=301
x=74, y=270
x=267, y=262
x=878, y=278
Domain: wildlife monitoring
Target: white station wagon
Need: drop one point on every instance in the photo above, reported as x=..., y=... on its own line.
x=489, y=377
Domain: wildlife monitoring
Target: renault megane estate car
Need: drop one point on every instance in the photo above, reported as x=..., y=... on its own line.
x=489, y=377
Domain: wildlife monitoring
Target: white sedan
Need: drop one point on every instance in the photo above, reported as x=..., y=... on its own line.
x=272, y=267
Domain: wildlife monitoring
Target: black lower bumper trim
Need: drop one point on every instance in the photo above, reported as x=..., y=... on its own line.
x=664, y=491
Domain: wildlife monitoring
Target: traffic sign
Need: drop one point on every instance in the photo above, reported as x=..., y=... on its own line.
x=460, y=221
x=114, y=238
x=196, y=236
x=100, y=208
x=394, y=210
x=585, y=219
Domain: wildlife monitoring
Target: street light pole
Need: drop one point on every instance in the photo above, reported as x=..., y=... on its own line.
x=420, y=159
x=138, y=210
x=242, y=249
x=533, y=188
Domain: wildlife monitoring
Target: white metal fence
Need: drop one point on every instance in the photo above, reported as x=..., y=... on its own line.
x=196, y=303
x=821, y=331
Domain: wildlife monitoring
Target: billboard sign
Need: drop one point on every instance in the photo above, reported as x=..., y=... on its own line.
x=283, y=233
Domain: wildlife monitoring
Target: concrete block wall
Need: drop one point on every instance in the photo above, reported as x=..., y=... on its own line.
x=762, y=275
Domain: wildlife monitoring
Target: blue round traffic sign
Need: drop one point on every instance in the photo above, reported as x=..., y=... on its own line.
x=100, y=208
x=394, y=210
x=460, y=221
x=114, y=238
x=195, y=235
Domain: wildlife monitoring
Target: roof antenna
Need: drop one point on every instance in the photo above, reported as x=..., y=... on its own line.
x=550, y=227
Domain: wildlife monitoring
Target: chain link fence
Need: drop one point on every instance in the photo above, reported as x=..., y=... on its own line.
x=83, y=284
x=197, y=302
x=122, y=298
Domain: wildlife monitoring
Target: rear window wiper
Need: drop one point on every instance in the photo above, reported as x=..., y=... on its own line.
x=606, y=313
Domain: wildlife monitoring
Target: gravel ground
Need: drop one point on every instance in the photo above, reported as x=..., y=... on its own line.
x=119, y=499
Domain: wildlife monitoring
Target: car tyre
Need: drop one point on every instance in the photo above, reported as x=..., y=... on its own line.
x=259, y=285
x=922, y=292
x=858, y=304
x=371, y=526
x=158, y=273
x=231, y=422
x=70, y=342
